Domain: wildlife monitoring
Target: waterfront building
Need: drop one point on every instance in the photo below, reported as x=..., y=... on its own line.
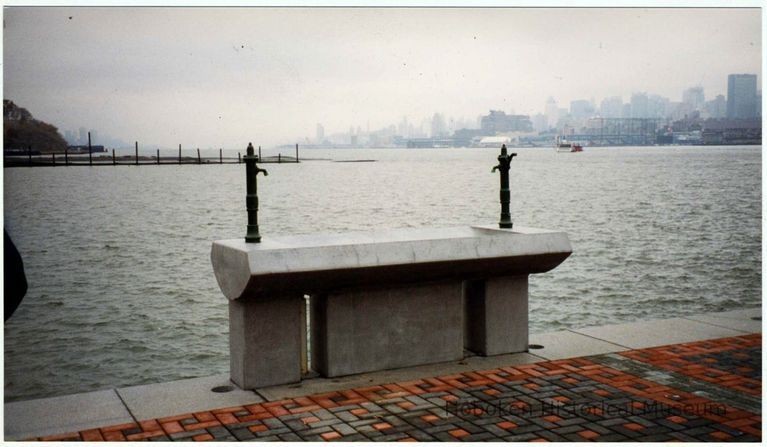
x=494, y=141
x=741, y=96
x=497, y=121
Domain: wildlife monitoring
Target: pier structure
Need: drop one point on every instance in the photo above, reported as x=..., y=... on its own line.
x=618, y=132
x=87, y=157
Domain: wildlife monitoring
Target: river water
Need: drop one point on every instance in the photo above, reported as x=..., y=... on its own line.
x=121, y=289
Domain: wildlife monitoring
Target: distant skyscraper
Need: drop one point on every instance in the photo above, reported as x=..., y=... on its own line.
x=657, y=106
x=83, y=136
x=552, y=112
x=717, y=107
x=540, y=123
x=694, y=97
x=639, y=105
x=741, y=96
x=611, y=107
x=581, y=108
x=320, y=133
x=438, y=126
x=626, y=110
x=402, y=129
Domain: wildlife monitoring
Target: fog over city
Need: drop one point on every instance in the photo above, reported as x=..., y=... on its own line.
x=220, y=77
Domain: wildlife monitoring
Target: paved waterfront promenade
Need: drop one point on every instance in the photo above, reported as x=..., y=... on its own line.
x=696, y=378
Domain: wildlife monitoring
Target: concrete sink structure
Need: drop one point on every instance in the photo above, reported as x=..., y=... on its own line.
x=379, y=300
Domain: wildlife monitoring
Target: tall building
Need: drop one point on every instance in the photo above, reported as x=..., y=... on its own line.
x=552, y=112
x=626, y=110
x=581, y=108
x=741, y=96
x=694, y=97
x=438, y=126
x=320, y=133
x=657, y=106
x=611, y=107
x=540, y=123
x=717, y=107
x=402, y=128
x=639, y=105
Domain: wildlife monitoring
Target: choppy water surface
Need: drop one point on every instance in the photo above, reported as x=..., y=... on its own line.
x=122, y=290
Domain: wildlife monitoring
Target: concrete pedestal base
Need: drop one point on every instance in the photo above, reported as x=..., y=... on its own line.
x=382, y=300
x=265, y=341
x=496, y=315
x=369, y=330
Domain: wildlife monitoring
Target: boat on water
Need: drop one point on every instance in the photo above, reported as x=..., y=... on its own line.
x=566, y=146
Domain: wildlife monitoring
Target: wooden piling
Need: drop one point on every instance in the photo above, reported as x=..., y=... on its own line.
x=158, y=156
x=29, y=155
x=179, y=154
x=279, y=158
x=66, y=156
x=259, y=154
x=239, y=157
x=220, y=156
x=114, y=158
x=199, y=160
x=53, y=158
x=90, y=151
x=136, y=153
x=296, y=152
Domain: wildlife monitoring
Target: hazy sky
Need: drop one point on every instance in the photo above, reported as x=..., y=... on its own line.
x=212, y=77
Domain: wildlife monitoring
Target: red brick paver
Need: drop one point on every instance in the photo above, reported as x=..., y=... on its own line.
x=536, y=402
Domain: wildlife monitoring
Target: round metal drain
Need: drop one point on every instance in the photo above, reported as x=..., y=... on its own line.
x=222, y=389
x=756, y=318
x=534, y=346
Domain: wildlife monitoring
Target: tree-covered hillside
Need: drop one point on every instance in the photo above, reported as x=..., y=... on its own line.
x=22, y=131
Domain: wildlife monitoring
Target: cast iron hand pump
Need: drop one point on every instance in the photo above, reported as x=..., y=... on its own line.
x=504, y=162
x=251, y=199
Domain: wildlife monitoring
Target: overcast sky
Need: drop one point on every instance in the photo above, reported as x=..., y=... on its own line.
x=212, y=77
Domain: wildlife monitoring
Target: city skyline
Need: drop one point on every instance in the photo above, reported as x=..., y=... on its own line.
x=690, y=100
x=216, y=76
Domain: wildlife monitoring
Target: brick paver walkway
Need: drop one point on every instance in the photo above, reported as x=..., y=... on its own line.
x=703, y=391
